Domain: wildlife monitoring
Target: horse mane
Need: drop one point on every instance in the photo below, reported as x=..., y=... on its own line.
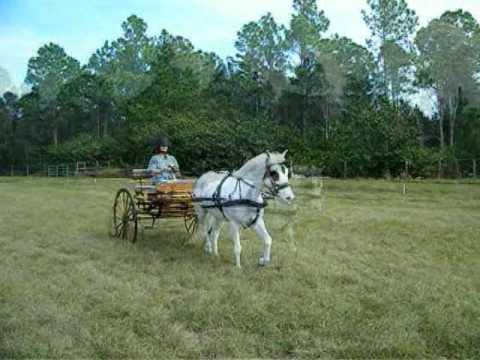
x=258, y=161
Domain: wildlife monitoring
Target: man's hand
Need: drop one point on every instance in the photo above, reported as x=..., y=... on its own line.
x=158, y=171
x=175, y=170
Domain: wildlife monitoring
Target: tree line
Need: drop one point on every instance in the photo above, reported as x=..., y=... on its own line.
x=326, y=98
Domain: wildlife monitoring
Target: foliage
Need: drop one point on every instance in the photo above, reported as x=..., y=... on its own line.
x=307, y=25
x=391, y=23
x=125, y=61
x=326, y=98
x=51, y=69
x=262, y=60
x=448, y=64
x=86, y=147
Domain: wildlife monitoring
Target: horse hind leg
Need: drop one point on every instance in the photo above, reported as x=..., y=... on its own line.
x=237, y=247
x=210, y=229
x=203, y=226
x=214, y=236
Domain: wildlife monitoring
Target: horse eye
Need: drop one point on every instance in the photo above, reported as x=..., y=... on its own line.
x=275, y=176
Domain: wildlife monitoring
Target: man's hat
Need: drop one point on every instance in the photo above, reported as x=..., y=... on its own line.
x=163, y=141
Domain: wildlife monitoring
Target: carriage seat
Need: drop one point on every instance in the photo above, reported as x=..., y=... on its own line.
x=145, y=188
x=142, y=174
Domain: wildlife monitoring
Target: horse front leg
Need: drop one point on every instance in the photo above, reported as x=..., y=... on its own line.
x=214, y=236
x=262, y=232
x=237, y=247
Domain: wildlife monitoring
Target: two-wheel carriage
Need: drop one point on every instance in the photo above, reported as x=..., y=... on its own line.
x=149, y=203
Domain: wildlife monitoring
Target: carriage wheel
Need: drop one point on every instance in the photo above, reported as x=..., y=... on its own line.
x=191, y=223
x=125, y=220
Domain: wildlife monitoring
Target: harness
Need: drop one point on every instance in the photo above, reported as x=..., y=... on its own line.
x=221, y=203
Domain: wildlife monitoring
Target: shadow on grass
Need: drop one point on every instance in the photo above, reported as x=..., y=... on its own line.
x=168, y=240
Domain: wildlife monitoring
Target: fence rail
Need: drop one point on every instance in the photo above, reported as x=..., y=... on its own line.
x=456, y=168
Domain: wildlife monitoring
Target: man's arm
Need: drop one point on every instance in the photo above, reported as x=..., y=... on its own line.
x=174, y=166
x=152, y=164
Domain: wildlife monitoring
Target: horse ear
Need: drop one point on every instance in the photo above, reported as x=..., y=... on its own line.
x=285, y=153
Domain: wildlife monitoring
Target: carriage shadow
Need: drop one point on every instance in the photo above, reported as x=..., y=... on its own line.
x=166, y=243
x=170, y=242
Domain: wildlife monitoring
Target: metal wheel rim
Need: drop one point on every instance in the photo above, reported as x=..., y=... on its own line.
x=125, y=221
x=191, y=223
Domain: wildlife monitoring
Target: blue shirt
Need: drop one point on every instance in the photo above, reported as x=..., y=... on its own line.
x=162, y=163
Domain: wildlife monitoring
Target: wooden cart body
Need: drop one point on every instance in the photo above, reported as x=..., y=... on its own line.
x=147, y=202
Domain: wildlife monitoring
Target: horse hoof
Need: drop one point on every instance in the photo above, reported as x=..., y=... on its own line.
x=208, y=251
x=262, y=261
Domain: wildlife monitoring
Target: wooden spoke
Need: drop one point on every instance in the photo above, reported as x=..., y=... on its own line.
x=125, y=219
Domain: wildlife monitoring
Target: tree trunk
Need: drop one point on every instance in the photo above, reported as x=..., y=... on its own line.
x=13, y=142
x=55, y=120
x=420, y=137
x=384, y=64
x=105, y=127
x=395, y=83
x=441, y=114
x=55, y=135
x=327, y=121
x=451, y=120
x=453, y=105
x=442, y=135
x=304, y=113
x=99, y=131
x=385, y=77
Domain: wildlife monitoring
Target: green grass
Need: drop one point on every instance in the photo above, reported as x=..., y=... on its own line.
x=358, y=271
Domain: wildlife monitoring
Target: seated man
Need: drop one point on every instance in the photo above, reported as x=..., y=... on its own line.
x=164, y=166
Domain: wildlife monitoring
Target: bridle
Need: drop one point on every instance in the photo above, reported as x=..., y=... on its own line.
x=275, y=189
x=272, y=191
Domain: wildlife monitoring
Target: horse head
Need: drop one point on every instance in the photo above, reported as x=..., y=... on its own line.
x=276, y=176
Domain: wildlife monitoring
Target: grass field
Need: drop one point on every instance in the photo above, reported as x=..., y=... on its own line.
x=358, y=271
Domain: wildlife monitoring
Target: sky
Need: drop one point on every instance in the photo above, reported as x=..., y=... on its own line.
x=81, y=27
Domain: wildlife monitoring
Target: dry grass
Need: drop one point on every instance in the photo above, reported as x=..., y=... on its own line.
x=359, y=271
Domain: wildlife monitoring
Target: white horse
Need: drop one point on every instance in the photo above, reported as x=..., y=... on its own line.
x=237, y=199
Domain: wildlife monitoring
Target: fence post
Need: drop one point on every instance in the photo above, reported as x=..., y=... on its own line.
x=406, y=168
x=291, y=169
x=474, y=168
x=439, y=168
